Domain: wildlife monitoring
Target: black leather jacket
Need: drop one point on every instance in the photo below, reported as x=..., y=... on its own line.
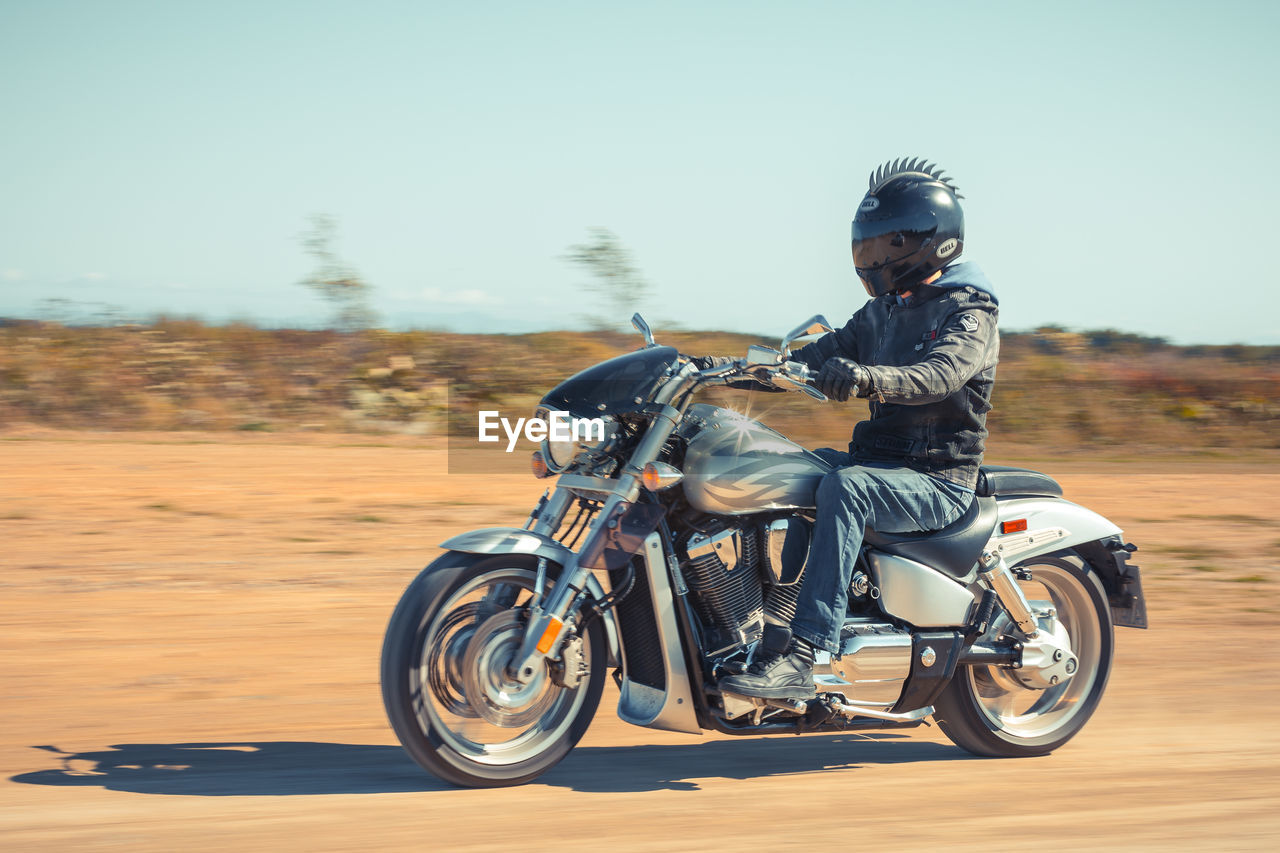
x=932, y=363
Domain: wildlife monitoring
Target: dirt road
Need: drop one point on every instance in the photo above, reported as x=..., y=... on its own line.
x=191, y=627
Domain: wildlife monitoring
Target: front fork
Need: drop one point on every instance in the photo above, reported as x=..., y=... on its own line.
x=551, y=621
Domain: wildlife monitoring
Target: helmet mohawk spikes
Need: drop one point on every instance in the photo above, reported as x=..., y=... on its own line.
x=916, y=166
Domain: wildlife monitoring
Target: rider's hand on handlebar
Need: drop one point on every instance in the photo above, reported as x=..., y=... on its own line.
x=706, y=362
x=841, y=377
x=736, y=373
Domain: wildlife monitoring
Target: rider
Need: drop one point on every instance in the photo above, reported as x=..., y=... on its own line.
x=924, y=350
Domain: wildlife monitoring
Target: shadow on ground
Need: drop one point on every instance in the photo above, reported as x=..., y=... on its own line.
x=291, y=768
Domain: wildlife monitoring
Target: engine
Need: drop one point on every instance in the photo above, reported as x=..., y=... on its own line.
x=743, y=576
x=740, y=578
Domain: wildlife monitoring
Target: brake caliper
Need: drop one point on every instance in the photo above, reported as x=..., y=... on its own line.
x=569, y=671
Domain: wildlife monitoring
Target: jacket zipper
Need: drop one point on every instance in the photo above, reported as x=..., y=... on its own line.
x=884, y=335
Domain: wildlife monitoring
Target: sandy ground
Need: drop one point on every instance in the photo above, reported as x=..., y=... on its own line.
x=191, y=628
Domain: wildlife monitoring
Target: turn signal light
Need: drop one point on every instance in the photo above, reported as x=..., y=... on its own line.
x=659, y=475
x=1016, y=526
x=539, y=465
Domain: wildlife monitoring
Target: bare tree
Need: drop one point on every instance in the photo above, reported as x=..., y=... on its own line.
x=615, y=277
x=338, y=283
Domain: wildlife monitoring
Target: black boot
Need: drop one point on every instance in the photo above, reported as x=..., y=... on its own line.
x=781, y=670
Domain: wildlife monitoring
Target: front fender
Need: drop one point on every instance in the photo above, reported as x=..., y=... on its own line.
x=514, y=540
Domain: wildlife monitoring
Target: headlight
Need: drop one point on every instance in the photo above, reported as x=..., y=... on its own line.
x=569, y=437
x=559, y=454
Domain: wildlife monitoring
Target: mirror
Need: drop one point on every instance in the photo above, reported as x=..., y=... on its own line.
x=643, y=328
x=762, y=355
x=815, y=325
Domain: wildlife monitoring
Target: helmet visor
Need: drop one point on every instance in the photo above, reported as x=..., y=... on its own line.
x=881, y=242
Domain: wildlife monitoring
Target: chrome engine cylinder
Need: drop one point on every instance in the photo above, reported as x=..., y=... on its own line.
x=780, y=604
x=723, y=571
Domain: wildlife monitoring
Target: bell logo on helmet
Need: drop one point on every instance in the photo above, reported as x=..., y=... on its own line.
x=948, y=248
x=869, y=203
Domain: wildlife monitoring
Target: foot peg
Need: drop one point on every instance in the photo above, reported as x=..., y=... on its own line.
x=851, y=711
x=736, y=706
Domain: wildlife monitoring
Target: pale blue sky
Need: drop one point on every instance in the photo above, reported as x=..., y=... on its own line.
x=1118, y=159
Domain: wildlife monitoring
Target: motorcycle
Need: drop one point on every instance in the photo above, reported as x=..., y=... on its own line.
x=698, y=518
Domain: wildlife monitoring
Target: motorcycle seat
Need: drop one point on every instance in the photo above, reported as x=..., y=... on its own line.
x=954, y=549
x=1004, y=480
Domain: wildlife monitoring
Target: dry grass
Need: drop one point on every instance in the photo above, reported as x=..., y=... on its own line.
x=1055, y=389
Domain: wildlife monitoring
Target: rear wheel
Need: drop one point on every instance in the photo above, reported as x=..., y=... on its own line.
x=987, y=710
x=445, y=686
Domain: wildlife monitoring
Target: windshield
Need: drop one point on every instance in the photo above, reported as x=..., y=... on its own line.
x=617, y=386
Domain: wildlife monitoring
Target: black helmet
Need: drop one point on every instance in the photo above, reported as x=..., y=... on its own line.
x=908, y=226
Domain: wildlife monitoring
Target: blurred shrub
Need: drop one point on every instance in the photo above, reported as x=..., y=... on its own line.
x=1054, y=387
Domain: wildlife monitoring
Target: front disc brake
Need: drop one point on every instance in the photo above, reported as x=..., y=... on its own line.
x=491, y=690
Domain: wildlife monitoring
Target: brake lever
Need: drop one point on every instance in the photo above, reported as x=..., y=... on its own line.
x=794, y=375
x=789, y=375
x=783, y=381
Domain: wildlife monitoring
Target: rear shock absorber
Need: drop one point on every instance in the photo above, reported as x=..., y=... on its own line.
x=996, y=572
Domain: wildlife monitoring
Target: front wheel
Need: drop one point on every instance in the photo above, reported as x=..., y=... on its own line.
x=444, y=681
x=988, y=711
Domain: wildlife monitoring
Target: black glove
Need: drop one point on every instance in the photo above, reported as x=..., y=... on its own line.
x=748, y=383
x=706, y=362
x=841, y=377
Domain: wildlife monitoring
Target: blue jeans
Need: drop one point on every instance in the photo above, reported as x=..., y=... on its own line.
x=882, y=496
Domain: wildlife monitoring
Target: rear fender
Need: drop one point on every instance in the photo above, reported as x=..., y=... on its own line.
x=1043, y=525
x=513, y=540
x=1054, y=524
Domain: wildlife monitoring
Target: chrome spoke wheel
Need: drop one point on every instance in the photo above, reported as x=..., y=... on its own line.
x=494, y=719
x=1063, y=608
x=445, y=681
x=1001, y=711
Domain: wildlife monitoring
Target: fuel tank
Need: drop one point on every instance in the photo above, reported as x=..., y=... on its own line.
x=735, y=465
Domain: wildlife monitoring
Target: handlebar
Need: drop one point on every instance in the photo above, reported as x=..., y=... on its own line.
x=787, y=375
